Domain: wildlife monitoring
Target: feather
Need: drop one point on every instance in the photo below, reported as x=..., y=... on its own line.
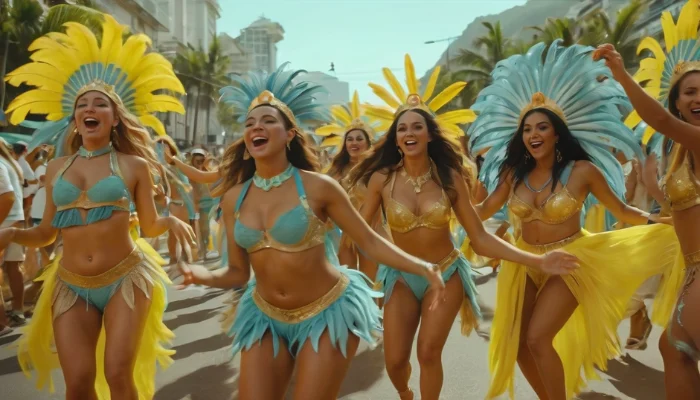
x=411, y=81
x=432, y=82
x=333, y=141
x=458, y=117
x=341, y=115
x=384, y=94
x=153, y=122
x=446, y=95
x=328, y=130
x=355, y=106
x=394, y=84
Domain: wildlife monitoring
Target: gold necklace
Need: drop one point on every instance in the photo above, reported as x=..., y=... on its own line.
x=419, y=181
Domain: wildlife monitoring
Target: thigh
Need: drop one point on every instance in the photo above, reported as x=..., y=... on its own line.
x=554, y=306
x=124, y=328
x=75, y=333
x=401, y=318
x=689, y=316
x=529, y=300
x=320, y=374
x=262, y=375
x=436, y=324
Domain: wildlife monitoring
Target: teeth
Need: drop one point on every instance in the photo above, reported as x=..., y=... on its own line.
x=90, y=120
x=257, y=139
x=411, y=142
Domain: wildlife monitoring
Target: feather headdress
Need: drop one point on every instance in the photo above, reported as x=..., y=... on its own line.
x=347, y=118
x=661, y=71
x=411, y=98
x=278, y=89
x=569, y=83
x=66, y=65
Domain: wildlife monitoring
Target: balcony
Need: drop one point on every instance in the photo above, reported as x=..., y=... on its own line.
x=149, y=11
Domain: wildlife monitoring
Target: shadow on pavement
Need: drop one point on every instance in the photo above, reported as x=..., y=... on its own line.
x=482, y=279
x=214, y=382
x=635, y=379
x=366, y=369
x=212, y=343
x=192, y=318
x=193, y=301
x=9, y=338
x=9, y=365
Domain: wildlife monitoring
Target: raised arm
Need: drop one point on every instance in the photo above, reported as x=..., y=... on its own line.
x=599, y=187
x=237, y=274
x=491, y=246
x=495, y=201
x=195, y=175
x=651, y=111
x=43, y=234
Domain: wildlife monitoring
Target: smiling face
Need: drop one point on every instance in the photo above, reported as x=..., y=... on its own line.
x=356, y=143
x=688, y=102
x=539, y=136
x=265, y=132
x=95, y=116
x=412, y=134
x=198, y=161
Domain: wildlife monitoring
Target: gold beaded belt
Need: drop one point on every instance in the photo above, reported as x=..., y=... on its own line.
x=449, y=260
x=547, y=247
x=692, y=259
x=106, y=278
x=305, y=312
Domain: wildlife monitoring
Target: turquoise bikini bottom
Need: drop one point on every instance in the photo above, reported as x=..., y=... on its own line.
x=348, y=308
x=676, y=328
x=98, y=297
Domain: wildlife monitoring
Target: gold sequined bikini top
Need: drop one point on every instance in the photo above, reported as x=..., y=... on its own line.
x=403, y=220
x=681, y=189
x=556, y=209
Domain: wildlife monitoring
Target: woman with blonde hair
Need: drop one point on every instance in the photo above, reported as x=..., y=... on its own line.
x=103, y=301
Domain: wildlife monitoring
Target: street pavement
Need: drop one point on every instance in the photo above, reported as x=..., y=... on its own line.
x=204, y=370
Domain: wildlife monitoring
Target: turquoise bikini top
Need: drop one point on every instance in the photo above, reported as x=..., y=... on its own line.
x=296, y=230
x=104, y=197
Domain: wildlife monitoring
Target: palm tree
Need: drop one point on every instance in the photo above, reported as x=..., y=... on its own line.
x=24, y=22
x=188, y=66
x=215, y=69
x=620, y=32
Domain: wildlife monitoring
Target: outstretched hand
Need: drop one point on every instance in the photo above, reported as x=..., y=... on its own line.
x=612, y=58
x=437, y=285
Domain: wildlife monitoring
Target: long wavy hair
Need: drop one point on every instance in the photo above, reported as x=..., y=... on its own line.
x=445, y=153
x=128, y=137
x=7, y=155
x=235, y=168
x=520, y=165
x=342, y=159
x=679, y=152
x=171, y=174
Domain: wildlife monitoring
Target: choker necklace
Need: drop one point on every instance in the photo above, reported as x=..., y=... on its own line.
x=89, y=154
x=527, y=184
x=418, y=182
x=267, y=184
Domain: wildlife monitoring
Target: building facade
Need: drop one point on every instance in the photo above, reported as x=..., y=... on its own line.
x=141, y=16
x=337, y=91
x=259, y=41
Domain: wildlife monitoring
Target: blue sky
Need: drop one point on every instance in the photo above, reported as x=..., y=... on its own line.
x=360, y=36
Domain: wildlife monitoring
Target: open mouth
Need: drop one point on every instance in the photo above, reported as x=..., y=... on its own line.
x=259, y=141
x=354, y=148
x=536, y=145
x=91, y=123
x=410, y=143
x=695, y=111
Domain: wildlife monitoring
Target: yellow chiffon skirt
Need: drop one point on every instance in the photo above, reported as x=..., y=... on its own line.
x=36, y=352
x=612, y=266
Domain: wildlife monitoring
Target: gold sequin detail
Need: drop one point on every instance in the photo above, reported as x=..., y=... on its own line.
x=401, y=219
x=558, y=208
x=681, y=190
x=449, y=260
x=106, y=278
x=546, y=248
x=306, y=312
x=84, y=202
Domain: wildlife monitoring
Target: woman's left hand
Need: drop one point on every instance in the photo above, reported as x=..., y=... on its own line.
x=184, y=235
x=660, y=220
x=612, y=58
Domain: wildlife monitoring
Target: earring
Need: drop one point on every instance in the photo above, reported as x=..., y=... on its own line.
x=400, y=153
x=246, y=155
x=527, y=156
x=114, y=132
x=558, y=155
x=289, y=145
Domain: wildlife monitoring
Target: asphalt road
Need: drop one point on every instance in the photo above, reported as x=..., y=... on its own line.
x=203, y=369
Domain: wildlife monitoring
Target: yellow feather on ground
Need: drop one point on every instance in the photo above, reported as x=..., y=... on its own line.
x=446, y=95
x=411, y=81
x=394, y=84
x=384, y=94
x=432, y=82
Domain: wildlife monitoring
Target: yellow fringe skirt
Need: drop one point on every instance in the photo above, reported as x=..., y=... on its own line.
x=612, y=266
x=141, y=270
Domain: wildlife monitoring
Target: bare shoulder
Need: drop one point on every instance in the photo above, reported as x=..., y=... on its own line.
x=316, y=182
x=585, y=167
x=230, y=197
x=378, y=180
x=56, y=163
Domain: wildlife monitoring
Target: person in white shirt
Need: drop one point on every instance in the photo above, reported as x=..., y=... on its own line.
x=11, y=182
x=30, y=183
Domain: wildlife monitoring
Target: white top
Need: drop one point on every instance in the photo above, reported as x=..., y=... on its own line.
x=28, y=176
x=9, y=182
x=39, y=202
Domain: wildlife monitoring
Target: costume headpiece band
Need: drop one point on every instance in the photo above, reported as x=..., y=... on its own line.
x=268, y=98
x=683, y=68
x=538, y=101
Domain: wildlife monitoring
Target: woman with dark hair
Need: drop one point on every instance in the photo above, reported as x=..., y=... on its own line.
x=549, y=124
x=352, y=146
x=673, y=78
x=303, y=310
x=417, y=175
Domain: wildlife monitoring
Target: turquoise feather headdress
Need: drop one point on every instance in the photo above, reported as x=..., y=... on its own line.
x=66, y=65
x=278, y=89
x=567, y=82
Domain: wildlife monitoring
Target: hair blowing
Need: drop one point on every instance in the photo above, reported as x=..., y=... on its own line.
x=235, y=169
x=442, y=151
x=341, y=161
x=520, y=165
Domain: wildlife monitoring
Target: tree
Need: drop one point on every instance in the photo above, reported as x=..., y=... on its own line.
x=215, y=70
x=188, y=67
x=620, y=32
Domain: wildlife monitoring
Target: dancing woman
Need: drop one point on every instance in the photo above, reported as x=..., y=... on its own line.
x=303, y=311
x=549, y=125
x=102, y=304
x=358, y=133
x=675, y=75
x=417, y=175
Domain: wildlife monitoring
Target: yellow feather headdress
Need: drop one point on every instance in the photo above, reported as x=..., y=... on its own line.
x=663, y=69
x=402, y=100
x=347, y=118
x=66, y=65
